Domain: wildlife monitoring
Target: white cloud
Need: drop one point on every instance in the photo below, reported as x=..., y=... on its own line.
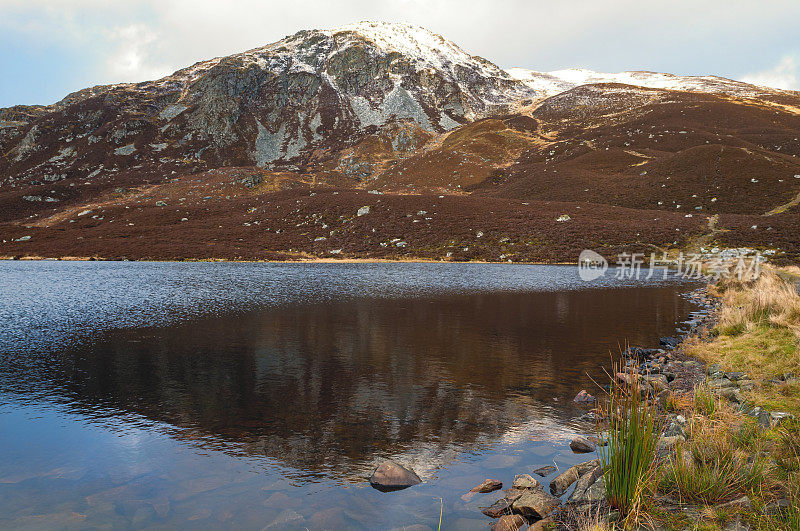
x=135, y=40
x=784, y=75
x=132, y=54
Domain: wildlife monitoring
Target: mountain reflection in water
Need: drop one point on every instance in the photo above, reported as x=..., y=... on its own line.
x=323, y=390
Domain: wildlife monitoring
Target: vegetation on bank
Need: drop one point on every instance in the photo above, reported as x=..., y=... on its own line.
x=726, y=470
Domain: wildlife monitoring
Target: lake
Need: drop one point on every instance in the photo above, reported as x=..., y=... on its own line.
x=255, y=395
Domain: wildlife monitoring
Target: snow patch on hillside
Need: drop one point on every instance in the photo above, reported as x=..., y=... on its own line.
x=558, y=81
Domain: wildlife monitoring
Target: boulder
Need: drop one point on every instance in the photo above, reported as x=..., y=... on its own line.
x=668, y=342
x=499, y=508
x=761, y=415
x=389, y=476
x=562, y=482
x=525, y=481
x=584, y=398
x=488, y=485
x=721, y=383
x=535, y=503
x=584, y=487
x=582, y=445
x=509, y=522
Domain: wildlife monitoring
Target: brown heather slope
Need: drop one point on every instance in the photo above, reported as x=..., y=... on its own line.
x=302, y=223
x=636, y=174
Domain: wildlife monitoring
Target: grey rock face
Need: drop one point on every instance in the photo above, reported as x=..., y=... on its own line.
x=312, y=91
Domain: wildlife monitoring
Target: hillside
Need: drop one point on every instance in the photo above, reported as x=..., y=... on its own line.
x=274, y=153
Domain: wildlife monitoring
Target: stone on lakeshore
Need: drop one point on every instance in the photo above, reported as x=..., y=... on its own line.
x=746, y=385
x=541, y=525
x=545, y=470
x=623, y=378
x=582, y=493
x=488, y=485
x=658, y=381
x=562, y=482
x=674, y=429
x=509, y=522
x=591, y=416
x=584, y=398
x=721, y=383
x=668, y=342
x=761, y=415
x=777, y=507
x=732, y=394
x=390, y=475
x=525, y=481
x=743, y=503
x=582, y=445
x=779, y=417
x=498, y=508
x=535, y=503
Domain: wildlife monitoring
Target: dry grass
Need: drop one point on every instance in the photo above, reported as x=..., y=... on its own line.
x=721, y=460
x=758, y=332
x=750, y=304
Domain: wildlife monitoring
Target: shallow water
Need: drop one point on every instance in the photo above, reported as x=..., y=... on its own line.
x=251, y=395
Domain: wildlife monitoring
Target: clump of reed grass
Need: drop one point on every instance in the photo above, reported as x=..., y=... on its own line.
x=631, y=450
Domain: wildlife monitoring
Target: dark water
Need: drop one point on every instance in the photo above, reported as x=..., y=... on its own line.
x=262, y=395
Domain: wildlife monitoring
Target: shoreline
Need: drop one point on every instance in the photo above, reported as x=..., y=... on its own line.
x=726, y=451
x=292, y=261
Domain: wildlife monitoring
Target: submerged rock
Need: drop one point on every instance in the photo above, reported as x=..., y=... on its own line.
x=545, y=470
x=498, y=508
x=582, y=445
x=389, y=476
x=584, y=398
x=488, y=485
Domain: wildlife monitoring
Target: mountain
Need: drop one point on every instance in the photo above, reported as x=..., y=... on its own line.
x=386, y=140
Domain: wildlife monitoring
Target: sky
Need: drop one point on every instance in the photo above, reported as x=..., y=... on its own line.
x=49, y=48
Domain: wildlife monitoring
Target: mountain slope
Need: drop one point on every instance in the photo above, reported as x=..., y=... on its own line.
x=275, y=152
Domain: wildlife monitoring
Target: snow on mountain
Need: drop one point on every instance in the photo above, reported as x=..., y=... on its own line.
x=551, y=83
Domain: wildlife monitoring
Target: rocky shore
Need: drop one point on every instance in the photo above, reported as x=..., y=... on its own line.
x=579, y=493
x=724, y=456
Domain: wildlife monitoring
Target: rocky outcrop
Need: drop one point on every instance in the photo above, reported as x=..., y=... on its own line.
x=314, y=92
